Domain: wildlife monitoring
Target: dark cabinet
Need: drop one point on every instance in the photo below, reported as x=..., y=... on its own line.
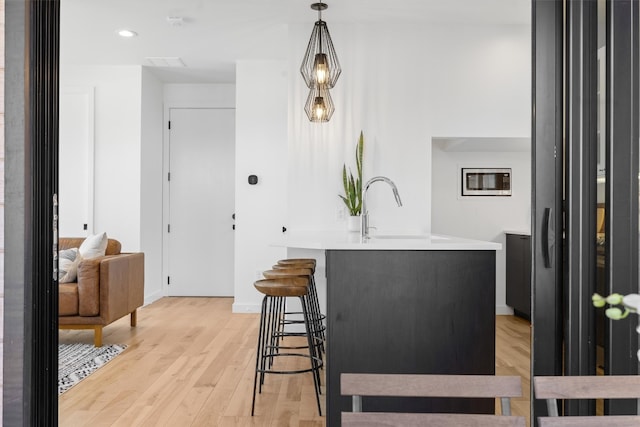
x=519, y=274
x=409, y=312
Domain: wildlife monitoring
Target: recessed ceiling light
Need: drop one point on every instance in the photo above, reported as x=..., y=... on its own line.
x=127, y=33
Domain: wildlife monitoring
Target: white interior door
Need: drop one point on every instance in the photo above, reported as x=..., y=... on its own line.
x=75, y=177
x=201, y=201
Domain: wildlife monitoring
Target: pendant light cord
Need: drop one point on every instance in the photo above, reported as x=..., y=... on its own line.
x=320, y=32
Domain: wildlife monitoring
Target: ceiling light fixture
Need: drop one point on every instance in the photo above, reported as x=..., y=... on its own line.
x=320, y=70
x=320, y=64
x=319, y=106
x=127, y=33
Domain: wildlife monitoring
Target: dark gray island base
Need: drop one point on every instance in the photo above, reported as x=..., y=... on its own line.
x=409, y=312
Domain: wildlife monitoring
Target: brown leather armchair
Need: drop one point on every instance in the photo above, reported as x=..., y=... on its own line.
x=106, y=289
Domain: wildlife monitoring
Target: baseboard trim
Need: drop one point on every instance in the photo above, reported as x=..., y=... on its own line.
x=245, y=308
x=504, y=310
x=149, y=299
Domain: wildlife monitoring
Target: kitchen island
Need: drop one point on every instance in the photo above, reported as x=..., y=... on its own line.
x=410, y=305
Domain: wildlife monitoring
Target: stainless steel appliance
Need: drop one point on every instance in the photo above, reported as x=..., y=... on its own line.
x=486, y=181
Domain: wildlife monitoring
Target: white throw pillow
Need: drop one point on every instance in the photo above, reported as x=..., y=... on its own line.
x=94, y=246
x=68, y=265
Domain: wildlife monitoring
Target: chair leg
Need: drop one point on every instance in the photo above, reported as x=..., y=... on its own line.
x=97, y=336
x=312, y=353
x=134, y=318
x=259, y=352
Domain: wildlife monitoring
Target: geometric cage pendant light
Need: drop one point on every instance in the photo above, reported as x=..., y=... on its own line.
x=320, y=66
x=319, y=106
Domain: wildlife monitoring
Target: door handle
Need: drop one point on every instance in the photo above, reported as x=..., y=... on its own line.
x=548, y=237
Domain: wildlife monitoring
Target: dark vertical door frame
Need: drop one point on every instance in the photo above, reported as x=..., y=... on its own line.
x=580, y=194
x=31, y=145
x=622, y=186
x=572, y=309
x=16, y=346
x=546, y=218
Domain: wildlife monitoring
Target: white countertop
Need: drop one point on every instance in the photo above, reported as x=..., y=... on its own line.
x=352, y=241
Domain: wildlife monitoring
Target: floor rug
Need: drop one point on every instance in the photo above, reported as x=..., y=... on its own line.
x=78, y=361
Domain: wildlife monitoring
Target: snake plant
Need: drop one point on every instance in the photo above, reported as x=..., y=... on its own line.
x=353, y=185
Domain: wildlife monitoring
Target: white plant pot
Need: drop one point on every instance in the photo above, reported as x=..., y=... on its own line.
x=353, y=224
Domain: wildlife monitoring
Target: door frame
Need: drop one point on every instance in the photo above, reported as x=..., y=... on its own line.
x=30, y=395
x=581, y=105
x=169, y=105
x=564, y=159
x=167, y=199
x=621, y=218
x=547, y=156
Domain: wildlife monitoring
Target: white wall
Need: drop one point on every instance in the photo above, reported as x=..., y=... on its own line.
x=151, y=175
x=402, y=85
x=378, y=93
x=75, y=161
x=480, y=81
x=199, y=95
x=261, y=149
x=482, y=218
x=117, y=147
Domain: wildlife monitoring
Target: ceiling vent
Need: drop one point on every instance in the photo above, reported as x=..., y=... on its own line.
x=164, y=61
x=175, y=21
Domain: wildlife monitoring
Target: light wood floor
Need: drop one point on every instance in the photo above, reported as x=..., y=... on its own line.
x=513, y=357
x=190, y=362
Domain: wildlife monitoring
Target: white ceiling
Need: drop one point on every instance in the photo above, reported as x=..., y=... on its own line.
x=216, y=33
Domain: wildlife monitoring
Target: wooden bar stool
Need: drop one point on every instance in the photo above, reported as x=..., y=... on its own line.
x=275, y=290
x=308, y=265
x=317, y=324
x=289, y=261
x=305, y=263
